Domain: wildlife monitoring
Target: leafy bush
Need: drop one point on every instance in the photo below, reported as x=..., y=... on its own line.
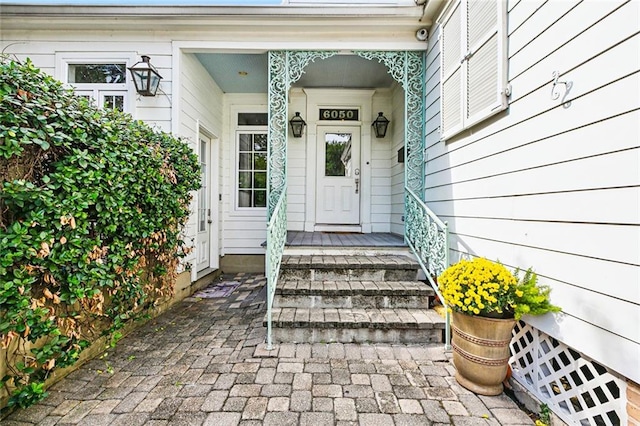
x=92, y=204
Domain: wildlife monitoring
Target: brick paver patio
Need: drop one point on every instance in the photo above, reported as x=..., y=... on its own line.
x=202, y=363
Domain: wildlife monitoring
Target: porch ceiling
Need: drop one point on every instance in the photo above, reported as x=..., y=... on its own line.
x=247, y=73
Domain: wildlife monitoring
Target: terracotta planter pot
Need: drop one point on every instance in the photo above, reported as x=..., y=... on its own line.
x=481, y=352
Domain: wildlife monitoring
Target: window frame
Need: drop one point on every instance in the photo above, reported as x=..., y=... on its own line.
x=500, y=102
x=244, y=130
x=97, y=91
x=237, y=130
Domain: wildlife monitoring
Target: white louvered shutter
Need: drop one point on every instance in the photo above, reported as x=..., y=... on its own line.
x=451, y=52
x=480, y=71
x=485, y=73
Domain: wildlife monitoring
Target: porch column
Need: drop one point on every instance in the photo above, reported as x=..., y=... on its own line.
x=285, y=68
x=278, y=97
x=407, y=68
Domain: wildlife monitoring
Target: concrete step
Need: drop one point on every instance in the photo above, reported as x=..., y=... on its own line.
x=345, y=325
x=349, y=268
x=353, y=294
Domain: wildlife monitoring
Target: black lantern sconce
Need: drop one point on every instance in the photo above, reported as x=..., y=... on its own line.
x=380, y=125
x=297, y=125
x=145, y=77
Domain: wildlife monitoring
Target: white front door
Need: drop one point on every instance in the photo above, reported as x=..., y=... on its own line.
x=338, y=175
x=203, y=249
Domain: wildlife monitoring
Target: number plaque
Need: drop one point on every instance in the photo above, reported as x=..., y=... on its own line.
x=339, y=114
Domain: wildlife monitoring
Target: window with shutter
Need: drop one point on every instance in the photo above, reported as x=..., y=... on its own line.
x=473, y=63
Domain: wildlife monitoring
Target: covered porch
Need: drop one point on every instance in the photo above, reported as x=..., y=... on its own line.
x=426, y=235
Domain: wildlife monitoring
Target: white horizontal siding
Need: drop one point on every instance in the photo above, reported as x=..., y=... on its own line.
x=296, y=167
x=613, y=206
x=554, y=184
x=397, y=169
x=382, y=163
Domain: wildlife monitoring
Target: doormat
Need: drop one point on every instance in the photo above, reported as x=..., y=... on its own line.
x=222, y=289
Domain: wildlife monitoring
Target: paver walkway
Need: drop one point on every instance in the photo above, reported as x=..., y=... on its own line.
x=199, y=363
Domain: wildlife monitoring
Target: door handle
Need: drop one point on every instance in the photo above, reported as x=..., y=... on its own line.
x=357, y=184
x=357, y=173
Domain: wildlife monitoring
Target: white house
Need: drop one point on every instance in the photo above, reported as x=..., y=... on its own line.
x=516, y=121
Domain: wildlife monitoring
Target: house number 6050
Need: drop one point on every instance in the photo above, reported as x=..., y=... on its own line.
x=339, y=114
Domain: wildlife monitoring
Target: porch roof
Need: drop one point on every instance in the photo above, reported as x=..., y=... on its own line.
x=141, y=15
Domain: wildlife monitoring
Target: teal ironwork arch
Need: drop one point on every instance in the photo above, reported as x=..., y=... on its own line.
x=407, y=68
x=286, y=67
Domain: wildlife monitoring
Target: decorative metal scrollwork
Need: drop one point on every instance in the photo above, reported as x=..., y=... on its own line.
x=277, y=134
x=427, y=235
x=276, y=239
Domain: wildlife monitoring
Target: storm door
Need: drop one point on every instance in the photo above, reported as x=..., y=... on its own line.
x=203, y=251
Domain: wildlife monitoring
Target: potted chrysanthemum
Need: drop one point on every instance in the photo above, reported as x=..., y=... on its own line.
x=486, y=300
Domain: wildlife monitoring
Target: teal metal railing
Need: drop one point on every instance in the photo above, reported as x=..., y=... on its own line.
x=276, y=239
x=428, y=238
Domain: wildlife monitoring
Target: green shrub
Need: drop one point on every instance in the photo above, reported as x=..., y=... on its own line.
x=92, y=204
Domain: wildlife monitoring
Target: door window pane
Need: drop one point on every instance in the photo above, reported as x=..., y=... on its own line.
x=203, y=195
x=337, y=160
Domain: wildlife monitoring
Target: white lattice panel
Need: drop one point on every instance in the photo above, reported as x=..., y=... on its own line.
x=579, y=390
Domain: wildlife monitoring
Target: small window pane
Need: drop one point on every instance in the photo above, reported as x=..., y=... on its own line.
x=260, y=198
x=244, y=180
x=245, y=143
x=260, y=162
x=244, y=198
x=260, y=180
x=253, y=119
x=97, y=73
x=244, y=162
x=113, y=102
x=260, y=143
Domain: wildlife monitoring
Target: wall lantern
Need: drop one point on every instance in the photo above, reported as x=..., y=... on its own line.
x=145, y=77
x=380, y=126
x=297, y=125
